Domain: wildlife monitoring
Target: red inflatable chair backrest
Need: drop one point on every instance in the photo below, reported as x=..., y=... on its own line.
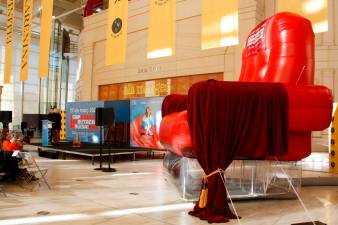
x=280, y=49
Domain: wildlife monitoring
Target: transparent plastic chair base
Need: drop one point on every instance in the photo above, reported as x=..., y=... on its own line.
x=245, y=179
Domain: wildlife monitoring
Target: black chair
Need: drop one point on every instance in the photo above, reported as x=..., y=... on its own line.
x=9, y=165
x=2, y=173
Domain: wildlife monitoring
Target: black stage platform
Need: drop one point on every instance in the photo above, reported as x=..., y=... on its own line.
x=93, y=150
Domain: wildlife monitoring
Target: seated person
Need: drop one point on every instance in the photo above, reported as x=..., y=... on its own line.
x=9, y=163
x=11, y=144
x=17, y=140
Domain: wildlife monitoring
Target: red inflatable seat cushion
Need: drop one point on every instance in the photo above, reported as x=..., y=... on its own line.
x=175, y=134
x=310, y=107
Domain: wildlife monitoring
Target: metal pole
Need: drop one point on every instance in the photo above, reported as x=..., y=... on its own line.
x=39, y=93
x=100, y=147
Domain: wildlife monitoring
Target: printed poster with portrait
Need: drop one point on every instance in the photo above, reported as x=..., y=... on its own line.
x=145, y=117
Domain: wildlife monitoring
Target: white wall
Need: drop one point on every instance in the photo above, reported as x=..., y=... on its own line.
x=11, y=98
x=73, y=67
x=189, y=59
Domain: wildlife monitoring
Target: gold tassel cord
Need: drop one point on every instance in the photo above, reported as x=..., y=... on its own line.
x=204, y=192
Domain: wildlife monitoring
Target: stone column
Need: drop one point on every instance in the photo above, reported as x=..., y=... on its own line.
x=250, y=13
x=84, y=84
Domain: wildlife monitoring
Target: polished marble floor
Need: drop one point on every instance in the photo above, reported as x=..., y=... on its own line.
x=139, y=193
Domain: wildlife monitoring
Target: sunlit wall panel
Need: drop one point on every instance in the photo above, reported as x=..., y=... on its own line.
x=219, y=23
x=314, y=10
x=162, y=28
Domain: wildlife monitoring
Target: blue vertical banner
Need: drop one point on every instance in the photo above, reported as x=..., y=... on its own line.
x=45, y=133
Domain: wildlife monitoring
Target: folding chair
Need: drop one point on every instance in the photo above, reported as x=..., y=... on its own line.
x=31, y=170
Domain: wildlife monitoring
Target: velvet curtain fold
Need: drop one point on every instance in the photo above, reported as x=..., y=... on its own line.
x=174, y=103
x=234, y=119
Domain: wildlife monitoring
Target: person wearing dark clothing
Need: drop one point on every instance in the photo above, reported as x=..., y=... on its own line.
x=51, y=118
x=9, y=165
x=5, y=127
x=56, y=126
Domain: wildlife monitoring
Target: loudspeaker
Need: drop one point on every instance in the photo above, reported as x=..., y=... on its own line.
x=6, y=116
x=98, y=116
x=108, y=116
x=104, y=116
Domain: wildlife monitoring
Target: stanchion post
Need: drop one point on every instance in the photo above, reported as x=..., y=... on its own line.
x=333, y=159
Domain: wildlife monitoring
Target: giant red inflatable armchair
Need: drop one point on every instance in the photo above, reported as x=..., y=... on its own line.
x=268, y=114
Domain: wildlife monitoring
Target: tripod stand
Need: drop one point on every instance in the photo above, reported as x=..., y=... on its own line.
x=100, y=168
x=109, y=169
x=104, y=116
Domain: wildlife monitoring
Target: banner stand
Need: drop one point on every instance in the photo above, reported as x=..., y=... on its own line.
x=46, y=126
x=109, y=169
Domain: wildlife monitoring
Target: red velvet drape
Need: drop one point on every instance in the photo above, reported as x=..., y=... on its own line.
x=233, y=118
x=174, y=103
